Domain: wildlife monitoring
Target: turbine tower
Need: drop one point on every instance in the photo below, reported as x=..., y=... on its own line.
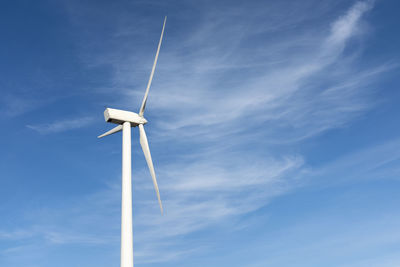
x=126, y=120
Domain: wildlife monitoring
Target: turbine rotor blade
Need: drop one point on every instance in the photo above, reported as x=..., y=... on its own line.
x=147, y=155
x=141, y=111
x=113, y=130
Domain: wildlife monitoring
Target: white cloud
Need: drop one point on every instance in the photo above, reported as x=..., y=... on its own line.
x=346, y=26
x=229, y=81
x=241, y=70
x=12, y=105
x=61, y=125
x=15, y=235
x=200, y=197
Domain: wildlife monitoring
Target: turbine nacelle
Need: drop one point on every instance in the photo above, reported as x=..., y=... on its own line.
x=118, y=116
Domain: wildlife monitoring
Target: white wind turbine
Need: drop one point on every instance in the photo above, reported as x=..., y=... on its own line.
x=126, y=120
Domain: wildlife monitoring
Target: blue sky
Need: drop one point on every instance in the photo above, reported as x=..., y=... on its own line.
x=273, y=127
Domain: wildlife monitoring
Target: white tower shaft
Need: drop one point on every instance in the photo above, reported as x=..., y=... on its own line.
x=126, y=217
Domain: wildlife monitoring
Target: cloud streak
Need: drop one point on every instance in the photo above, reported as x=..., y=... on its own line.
x=300, y=85
x=294, y=95
x=61, y=125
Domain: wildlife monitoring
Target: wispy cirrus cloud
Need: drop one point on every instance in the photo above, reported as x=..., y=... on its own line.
x=15, y=235
x=12, y=105
x=304, y=85
x=61, y=125
x=298, y=74
x=300, y=82
x=91, y=221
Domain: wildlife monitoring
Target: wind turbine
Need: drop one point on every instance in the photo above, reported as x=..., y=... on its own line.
x=126, y=120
